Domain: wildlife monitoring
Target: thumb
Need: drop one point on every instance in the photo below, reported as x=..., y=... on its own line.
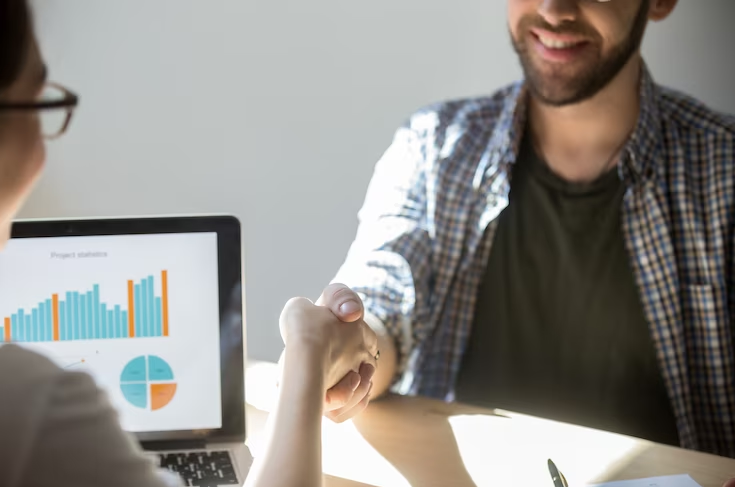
x=342, y=301
x=729, y=483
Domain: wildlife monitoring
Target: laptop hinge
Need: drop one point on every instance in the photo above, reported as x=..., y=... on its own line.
x=174, y=445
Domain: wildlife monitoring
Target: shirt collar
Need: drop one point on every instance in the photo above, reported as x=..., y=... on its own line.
x=644, y=147
x=640, y=153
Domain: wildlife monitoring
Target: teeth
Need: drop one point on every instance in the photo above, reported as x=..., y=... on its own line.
x=554, y=44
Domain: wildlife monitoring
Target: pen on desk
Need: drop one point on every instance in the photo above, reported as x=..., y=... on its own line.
x=557, y=476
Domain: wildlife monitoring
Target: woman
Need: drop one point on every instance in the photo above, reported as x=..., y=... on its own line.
x=56, y=427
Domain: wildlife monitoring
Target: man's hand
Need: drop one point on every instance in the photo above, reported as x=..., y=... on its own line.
x=350, y=396
x=729, y=483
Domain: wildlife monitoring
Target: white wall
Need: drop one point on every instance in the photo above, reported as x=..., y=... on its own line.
x=277, y=110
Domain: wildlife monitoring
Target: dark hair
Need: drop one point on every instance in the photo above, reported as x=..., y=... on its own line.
x=15, y=38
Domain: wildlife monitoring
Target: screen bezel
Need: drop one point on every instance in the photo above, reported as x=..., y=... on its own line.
x=231, y=297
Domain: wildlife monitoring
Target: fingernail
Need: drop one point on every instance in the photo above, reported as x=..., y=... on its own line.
x=349, y=307
x=367, y=370
x=354, y=382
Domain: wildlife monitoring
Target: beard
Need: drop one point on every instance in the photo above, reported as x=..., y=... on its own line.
x=566, y=85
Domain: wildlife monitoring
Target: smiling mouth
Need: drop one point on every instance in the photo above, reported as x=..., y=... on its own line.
x=557, y=41
x=556, y=44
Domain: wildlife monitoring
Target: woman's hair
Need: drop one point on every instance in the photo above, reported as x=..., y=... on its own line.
x=15, y=37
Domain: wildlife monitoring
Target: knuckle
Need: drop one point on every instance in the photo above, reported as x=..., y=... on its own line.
x=339, y=418
x=339, y=400
x=296, y=304
x=340, y=293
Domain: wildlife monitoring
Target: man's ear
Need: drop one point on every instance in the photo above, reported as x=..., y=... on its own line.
x=660, y=9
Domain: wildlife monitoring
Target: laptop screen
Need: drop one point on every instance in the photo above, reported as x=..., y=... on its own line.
x=140, y=313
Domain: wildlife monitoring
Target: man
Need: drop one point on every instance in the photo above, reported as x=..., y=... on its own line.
x=565, y=247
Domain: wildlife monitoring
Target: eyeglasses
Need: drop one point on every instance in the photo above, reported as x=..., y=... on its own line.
x=55, y=106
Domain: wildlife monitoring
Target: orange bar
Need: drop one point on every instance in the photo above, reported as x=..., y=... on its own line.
x=7, y=330
x=131, y=310
x=164, y=301
x=55, y=304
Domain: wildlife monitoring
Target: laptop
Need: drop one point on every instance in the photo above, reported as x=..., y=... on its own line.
x=152, y=309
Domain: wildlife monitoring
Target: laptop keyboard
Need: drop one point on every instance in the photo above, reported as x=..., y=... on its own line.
x=209, y=468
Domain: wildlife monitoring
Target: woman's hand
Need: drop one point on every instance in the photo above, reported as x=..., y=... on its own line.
x=321, y=351
x=347, y=349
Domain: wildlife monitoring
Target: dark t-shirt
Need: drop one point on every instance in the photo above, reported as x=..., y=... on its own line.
x=559, y=329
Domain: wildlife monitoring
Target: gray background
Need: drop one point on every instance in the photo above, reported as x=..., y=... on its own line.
x=276, y=111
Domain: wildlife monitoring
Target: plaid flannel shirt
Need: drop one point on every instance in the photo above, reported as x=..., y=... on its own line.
x=427, y=225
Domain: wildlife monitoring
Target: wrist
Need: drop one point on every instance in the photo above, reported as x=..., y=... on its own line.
x=307, y=346
x=305, y=361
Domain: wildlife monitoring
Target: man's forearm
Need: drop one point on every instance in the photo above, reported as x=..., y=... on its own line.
x=388, y=362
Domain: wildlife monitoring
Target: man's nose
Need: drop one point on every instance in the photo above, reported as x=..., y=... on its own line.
x=557, y=12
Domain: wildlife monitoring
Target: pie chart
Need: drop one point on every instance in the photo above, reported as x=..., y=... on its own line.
x=147, y=382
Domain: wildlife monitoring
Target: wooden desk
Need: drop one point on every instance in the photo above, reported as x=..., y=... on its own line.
x=417, y=442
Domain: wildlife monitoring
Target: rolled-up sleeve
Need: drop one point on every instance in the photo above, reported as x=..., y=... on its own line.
x=389, y=262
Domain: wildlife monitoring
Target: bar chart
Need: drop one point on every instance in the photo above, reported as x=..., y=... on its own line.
x=82, y=315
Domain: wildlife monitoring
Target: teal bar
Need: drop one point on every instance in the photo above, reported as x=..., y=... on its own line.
x=34, y=326
x=50, y=321
x=2, y=334
x=121, y=333
x=111, y=332
x=111, y=324
x=126, y=329
x=144, y=311
x=27, y=331
x=138, y=309
x=151, y=309
x=69, y=323
x=159, y=318
x=91, y=325
x=14, y=327
x=62, y=321
x=91, y=328
x=21, y=326
x=82, y=316
x=43, y=322
x=96, y=318
x=41, y=337
x=76, y=322
x=102, y=312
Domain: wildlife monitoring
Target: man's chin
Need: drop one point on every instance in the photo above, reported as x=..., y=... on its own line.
x=559, y=85
x=556, y=96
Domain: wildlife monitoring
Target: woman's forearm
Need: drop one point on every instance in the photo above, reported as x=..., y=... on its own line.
x=292, y=456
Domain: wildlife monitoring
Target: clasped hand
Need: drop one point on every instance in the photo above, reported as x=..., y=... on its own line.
x=335, y=330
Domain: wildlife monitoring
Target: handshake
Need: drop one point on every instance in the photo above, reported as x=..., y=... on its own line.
x=338, y=348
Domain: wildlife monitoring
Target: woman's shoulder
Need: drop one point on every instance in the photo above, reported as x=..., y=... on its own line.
x=22, y=368
x=30, y=380
x=27, y=380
